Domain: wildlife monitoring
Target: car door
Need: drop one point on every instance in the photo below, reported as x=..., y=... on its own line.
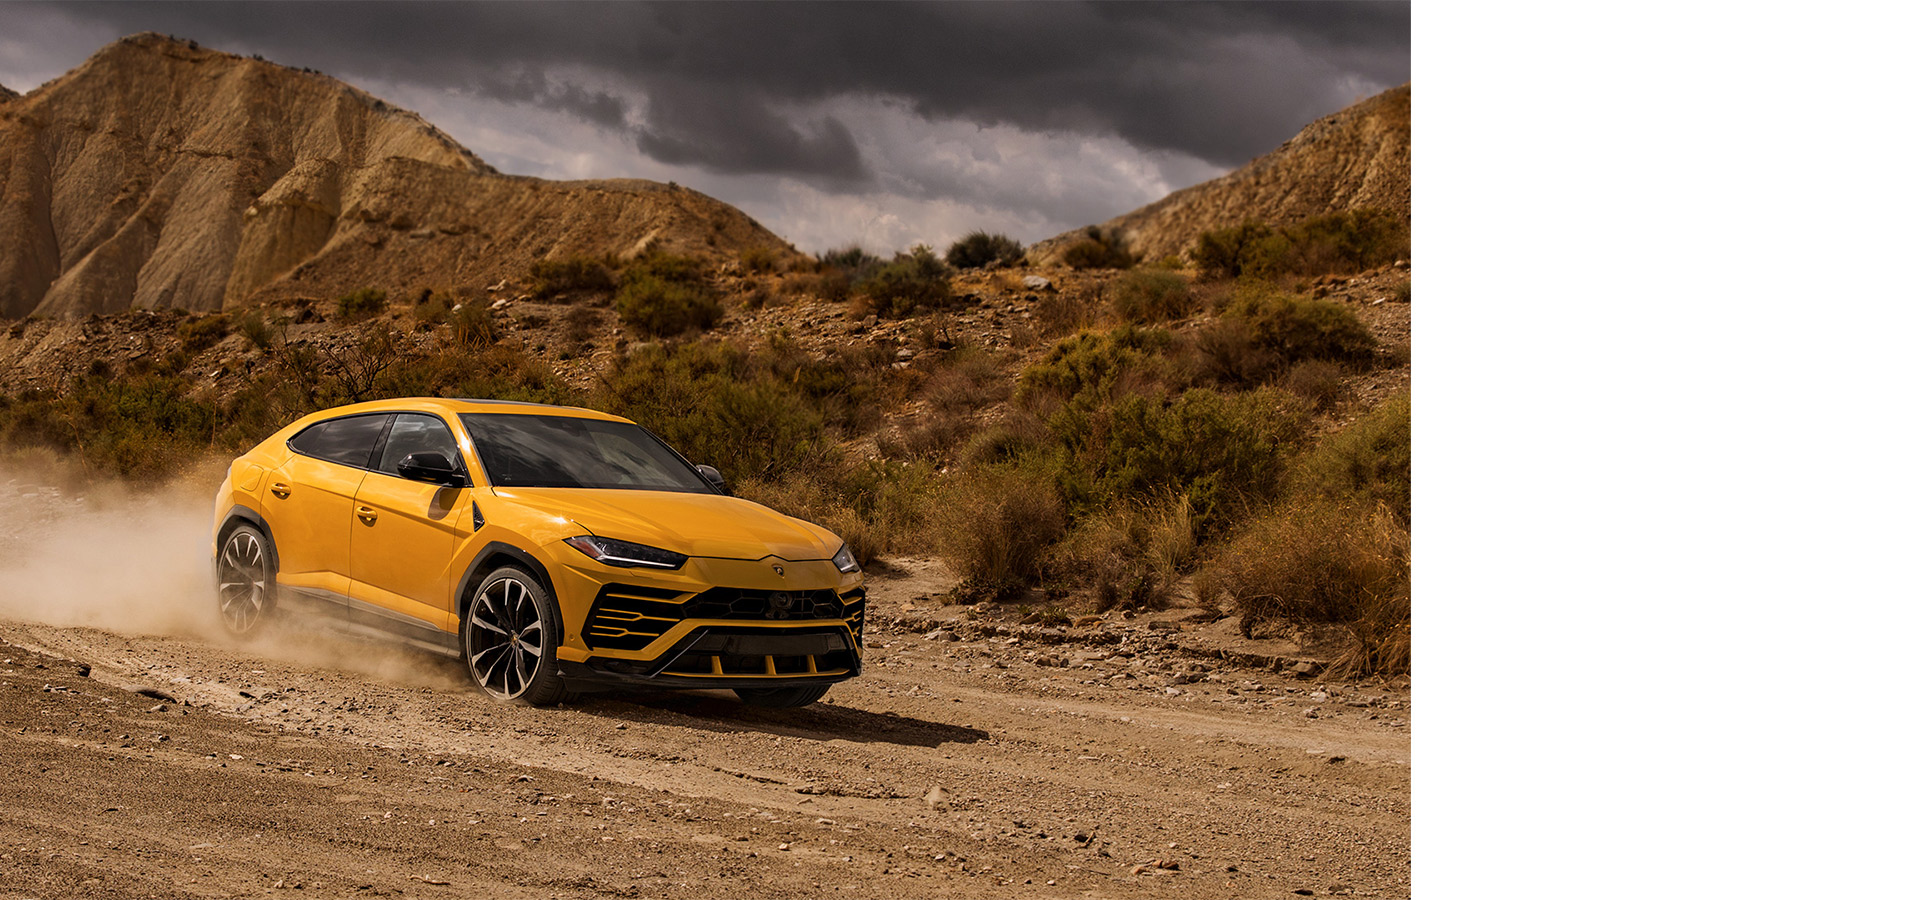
x=405, y=534
x=309, y=505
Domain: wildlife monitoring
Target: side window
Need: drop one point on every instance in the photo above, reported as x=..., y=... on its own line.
x=347, y=441
x=417, y=433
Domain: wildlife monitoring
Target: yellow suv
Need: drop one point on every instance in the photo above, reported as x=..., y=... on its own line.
x=551, y=548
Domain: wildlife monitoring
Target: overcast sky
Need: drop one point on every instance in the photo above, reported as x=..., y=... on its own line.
x=877, y=124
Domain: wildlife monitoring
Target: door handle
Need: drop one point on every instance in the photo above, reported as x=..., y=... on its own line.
x=367, y=514
x=281, y=489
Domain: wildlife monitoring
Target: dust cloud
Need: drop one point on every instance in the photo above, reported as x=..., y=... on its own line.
x=88, y=552
x=102, y=555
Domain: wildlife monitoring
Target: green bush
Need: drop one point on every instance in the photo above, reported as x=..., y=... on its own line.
x=1101, y=365
x=1264, y=331
x=1223, y=252
x=1099, y=249
x=364, y=303
x=653, y=306
x=1218, y=448
x=200, y=332
x=552, y=277
x=1367, y=464
x=1341, y=242
x=714, y=405
x=910, y=282
x=1152, y=295
x=980, y=249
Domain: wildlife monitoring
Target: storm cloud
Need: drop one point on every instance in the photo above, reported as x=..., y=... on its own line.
x=979, y=111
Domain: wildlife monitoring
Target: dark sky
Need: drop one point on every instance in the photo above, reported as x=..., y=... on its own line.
x=832, y=123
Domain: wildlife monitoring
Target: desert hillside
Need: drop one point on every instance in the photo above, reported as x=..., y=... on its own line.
x=162, y=174
x=1358, y=157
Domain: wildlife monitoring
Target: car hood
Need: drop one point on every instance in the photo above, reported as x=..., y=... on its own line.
x=708, y=525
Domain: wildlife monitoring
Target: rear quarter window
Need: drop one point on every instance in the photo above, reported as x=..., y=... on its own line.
x=348, y=441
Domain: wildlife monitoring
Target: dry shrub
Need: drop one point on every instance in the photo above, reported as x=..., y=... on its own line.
x=759, y=260
x=1099, y=249
x=1152, y=295
x=1369, y=461
x=552, y=277
x=581, y=323
x=1319, y=381
x=364, y=303
x=1324, y=571
x=1132, y=553
x=1056, y=314
x=200, y=332
x=475, y=326
x=994, y=527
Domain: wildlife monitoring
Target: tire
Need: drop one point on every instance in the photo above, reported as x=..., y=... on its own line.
x=782, y=698
x=508, y=637
x=244, y=576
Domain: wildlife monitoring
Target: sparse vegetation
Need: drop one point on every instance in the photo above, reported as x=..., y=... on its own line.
x=994, y=527
x=362, y=304
x=1152, y=295
x=200, y=332
x=759, y=260
x=980, y=249
x=1340, y=242
x=1099, y=249
x=553, y=277
x=663, y=295
x=910, y=282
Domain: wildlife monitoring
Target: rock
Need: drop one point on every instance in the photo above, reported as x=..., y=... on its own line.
x=936, y=798
x=1311, y=712
x=1084, y=621
x=1306, y=668
x=905, y=354
x=941, y=634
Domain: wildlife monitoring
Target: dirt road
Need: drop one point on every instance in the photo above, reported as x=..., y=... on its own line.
x=964, y=764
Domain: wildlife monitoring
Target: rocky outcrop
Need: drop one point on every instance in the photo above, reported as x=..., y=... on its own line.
x=163, y=174
x=1360, y=156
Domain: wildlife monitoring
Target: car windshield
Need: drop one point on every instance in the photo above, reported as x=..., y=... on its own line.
x=565, y=452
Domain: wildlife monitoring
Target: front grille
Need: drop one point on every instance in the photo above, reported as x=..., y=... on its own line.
x=628, y=617
x=734, y=603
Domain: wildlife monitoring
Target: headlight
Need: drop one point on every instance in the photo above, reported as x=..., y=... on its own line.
x=844, y=561
x=625, y=554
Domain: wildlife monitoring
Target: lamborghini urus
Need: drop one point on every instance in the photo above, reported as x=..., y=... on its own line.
x=551, y=549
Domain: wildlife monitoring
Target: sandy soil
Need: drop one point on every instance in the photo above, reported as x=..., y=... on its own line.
x=1098, y=761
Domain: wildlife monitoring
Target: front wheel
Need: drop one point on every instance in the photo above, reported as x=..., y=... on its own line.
x=782, y=698
x=508, y=637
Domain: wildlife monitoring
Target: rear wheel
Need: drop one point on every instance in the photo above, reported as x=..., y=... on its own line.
x=245, y=571
x=782, y=698
x=508, y=637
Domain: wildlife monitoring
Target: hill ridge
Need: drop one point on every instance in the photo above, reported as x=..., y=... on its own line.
x=1357, y=157
x=160, y=173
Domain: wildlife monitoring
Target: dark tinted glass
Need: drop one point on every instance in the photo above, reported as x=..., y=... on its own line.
x=560, y=451
x=347, y=441
x=416, y=433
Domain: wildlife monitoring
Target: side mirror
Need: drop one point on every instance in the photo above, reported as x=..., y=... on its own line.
x=713, y=478
x=431, y=466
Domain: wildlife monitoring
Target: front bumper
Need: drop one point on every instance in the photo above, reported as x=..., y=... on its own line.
x=715, y=654
x=713, y=624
